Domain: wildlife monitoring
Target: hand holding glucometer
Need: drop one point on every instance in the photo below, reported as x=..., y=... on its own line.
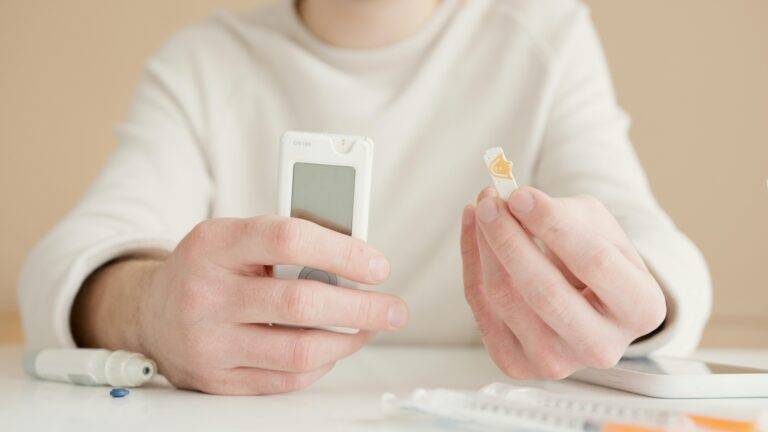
x=215, y=318
x=210, y=311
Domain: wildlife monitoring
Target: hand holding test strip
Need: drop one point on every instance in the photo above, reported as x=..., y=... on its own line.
x=545, y=312
x=552, y=308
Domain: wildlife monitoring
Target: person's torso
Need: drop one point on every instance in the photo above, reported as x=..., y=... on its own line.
x=474, y=78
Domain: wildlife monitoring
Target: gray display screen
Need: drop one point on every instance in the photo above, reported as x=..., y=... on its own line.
x=324, y=194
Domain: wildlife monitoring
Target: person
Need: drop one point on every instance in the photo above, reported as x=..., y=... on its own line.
x=170, y=252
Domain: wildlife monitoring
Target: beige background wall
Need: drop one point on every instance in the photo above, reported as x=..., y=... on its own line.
x=692, y=73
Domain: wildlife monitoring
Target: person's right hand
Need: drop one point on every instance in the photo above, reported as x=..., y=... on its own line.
x=205, y=312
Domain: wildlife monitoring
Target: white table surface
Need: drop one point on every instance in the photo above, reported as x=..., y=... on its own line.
x=347, y=399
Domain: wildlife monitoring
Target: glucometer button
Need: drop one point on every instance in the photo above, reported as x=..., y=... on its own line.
x=318, y=275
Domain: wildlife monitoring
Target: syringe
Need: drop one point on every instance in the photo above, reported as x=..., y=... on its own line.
x=611, y=410
x=478, y=410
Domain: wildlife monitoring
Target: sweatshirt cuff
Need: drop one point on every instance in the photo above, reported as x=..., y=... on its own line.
x=88, y=262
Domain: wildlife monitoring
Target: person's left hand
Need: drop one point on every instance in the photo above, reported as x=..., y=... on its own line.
x=554, y=283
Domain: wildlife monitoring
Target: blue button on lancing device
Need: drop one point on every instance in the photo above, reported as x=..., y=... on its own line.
x=119, y=392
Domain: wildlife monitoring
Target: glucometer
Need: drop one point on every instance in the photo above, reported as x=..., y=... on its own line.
x=326, y=179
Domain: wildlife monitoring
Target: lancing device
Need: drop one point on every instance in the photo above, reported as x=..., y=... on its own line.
x=92, y=367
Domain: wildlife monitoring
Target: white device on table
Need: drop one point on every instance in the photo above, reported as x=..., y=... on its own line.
x=669, y=377
x=326, y=179
x=90, y=366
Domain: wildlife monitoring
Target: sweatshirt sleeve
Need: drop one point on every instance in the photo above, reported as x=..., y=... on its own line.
x=586, y=150
x=154, y=188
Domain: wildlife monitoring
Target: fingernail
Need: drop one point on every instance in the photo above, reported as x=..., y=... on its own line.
x=378, y=267
x=468, y=216
x=397, y=316
x=487, y=192
x=487, y=210
x=521, y=201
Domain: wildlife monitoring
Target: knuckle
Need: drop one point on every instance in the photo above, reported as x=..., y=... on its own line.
x=549, y=221
x=512, y=369
x=206, y=383
x=295, y=381
x=603, y=355
x=606, y=359
x=468, y=245
x=271, y=382
x=303, y=353
x=599, y=260
x=647, y=310
x=290, y=382
x=509, y=364
x=483, y=327
x=287, y=238
x=473, y=293
x=364, y=314
x=467, y=248
x=299, y=303
x=351, y=249
x=217, y=383
x=517, y=373
x=550, y=365
x=481, y=311
x=515, y=370
x=654, y=318
x=200, y=235
x=547, y=299
x=507, y=247
x=504, y=295
x=648, y=318
x=253, y=227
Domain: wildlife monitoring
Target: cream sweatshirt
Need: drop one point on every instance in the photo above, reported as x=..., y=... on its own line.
x=201, y=141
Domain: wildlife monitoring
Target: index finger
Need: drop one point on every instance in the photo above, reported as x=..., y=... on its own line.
x=271, y=240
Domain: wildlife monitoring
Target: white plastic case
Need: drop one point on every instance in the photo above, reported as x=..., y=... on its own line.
x=670, y=377
x=326, y=149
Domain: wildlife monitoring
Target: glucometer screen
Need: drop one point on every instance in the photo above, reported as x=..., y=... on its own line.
x=324, y=194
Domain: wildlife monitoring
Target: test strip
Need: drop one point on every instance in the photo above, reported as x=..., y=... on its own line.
x=500, y=170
